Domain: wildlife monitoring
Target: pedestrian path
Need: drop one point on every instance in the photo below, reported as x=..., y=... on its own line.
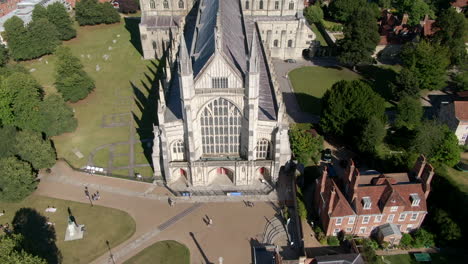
x=135, y=244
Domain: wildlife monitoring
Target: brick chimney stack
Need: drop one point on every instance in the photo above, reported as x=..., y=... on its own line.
x=323, y=179
x=332, y=200
x=419, y=167
x=426, y=178
x=349, y=170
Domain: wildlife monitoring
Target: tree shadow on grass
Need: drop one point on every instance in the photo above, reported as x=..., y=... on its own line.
x=307, y=102
x=380, y=79
x=39, y=237
x=131, y=24
x=146, y=96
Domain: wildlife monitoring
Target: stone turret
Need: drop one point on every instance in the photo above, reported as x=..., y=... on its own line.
x=253, y=84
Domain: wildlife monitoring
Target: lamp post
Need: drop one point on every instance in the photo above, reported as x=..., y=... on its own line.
x=110, y=252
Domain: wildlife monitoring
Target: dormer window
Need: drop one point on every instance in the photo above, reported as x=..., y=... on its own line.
x=415, y=199
x=366, y=202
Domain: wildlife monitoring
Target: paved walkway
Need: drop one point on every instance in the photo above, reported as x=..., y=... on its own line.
x=156, y=220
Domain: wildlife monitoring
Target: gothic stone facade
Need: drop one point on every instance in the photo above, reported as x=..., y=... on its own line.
x=221, y=117
x=358, y=203
x=280, y=23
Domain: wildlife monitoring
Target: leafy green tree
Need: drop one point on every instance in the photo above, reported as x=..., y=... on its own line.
x=57, y=14
x=31, y=147
x=109, y=14
x=406, y=84
x=342, y=10
x=304, y=145
x=423, y=238
x=372, y=134
x=461, y=80
x=301, y=209
x=16, y=178
x=427, y=62
x=349, y=101
x=11, y=252
x=416, y=10
x=314, y=13
x=71, y=80
x=56, y=116
x=453, y=29
x=360, y=38
x=4, y=56
x=333, y=241
x=39, y=12
x=406, y=241
x=20, y=99
x=449, y=230
x=18, y=38
x=43, y=36
x=7, y=145
x=409, y=113
x=437, y=142
x=384, y=3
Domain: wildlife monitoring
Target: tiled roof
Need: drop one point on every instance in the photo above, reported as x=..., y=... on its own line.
x=459, y=3
x=461, y=110
x=340, y=206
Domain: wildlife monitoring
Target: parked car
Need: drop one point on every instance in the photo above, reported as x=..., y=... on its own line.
x=327, y=155
x=290, y=61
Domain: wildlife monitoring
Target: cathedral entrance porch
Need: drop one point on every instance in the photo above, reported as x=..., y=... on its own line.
x=221, y=176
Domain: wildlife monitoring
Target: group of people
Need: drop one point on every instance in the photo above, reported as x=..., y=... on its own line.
x=249, y=204
x=95, y=196
x=6, y=228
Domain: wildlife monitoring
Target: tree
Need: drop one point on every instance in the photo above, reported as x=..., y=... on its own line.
x=349, y=101
x=109, y=14
x=449, y=230
x=56, y=116
x=384, y=3
x=314, y=13
x=16, y=178
x=427, y=62
x=18, y=39
x=7, y=145
x=39, y=12
x=3, y=55
x=416, y=10
x=304, y=145
x=406, y=84
x=342, y=10
x=44, y=36
x=437, y=142
x=452, y=31
x=423, y=238
x=333, y=241
x=409, y=113
x=128, y=6
x=360, y=38
x=461, y=80
x=11, y=252
x=20, y=98
x=31, y=147
x=71, y=80
x=372, y=134
x=57, y=14
x=406, y=241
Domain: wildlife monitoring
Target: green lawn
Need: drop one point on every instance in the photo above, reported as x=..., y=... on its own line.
x=436, y=259
x=123, y=79
x=311, y=83
x=458, y=178
x=318, y=35
x=101, y=224
x=164, y=252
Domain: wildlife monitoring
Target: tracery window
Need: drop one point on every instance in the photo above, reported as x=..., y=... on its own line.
x=290, y=43
x=291, y=5
x=221, y=124
x=219, y=82
x=152, y=4
x=263, y=149
x=181, y=4
x=178, y=150
x=166, y=4
x=260, y=4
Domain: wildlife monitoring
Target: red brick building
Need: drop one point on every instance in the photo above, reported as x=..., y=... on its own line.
x=6, y=6
x=359, y=203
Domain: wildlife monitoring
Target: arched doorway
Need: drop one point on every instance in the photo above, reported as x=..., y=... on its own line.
x=221, y=176
x=264, y=174
x=179, y=174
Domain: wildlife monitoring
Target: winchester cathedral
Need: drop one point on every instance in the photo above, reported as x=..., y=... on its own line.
x=221, y=117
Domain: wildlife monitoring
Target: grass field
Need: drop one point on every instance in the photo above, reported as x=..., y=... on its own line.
x=436, y=259
x=458, y=178
x=318, y=35
x=101, y=224
x=122, y=79
x=164, y=252
x=311, y=83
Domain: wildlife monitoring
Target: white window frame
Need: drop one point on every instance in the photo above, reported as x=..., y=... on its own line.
x=393, y=208
x=390, y=218
x=178, y=150
x=378, y=219
x=402, y=217
x=409, y=228
x=262, y=151
x=366, y=219
x=362, y=230
x=414, y=216
x=336, y=231
x=339, y=221
x=349, y=229
x=366, y=205
x=415, y=199
x=351, y=220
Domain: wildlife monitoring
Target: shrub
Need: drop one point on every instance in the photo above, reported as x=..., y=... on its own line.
x=406, y=241
x=333, y=241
